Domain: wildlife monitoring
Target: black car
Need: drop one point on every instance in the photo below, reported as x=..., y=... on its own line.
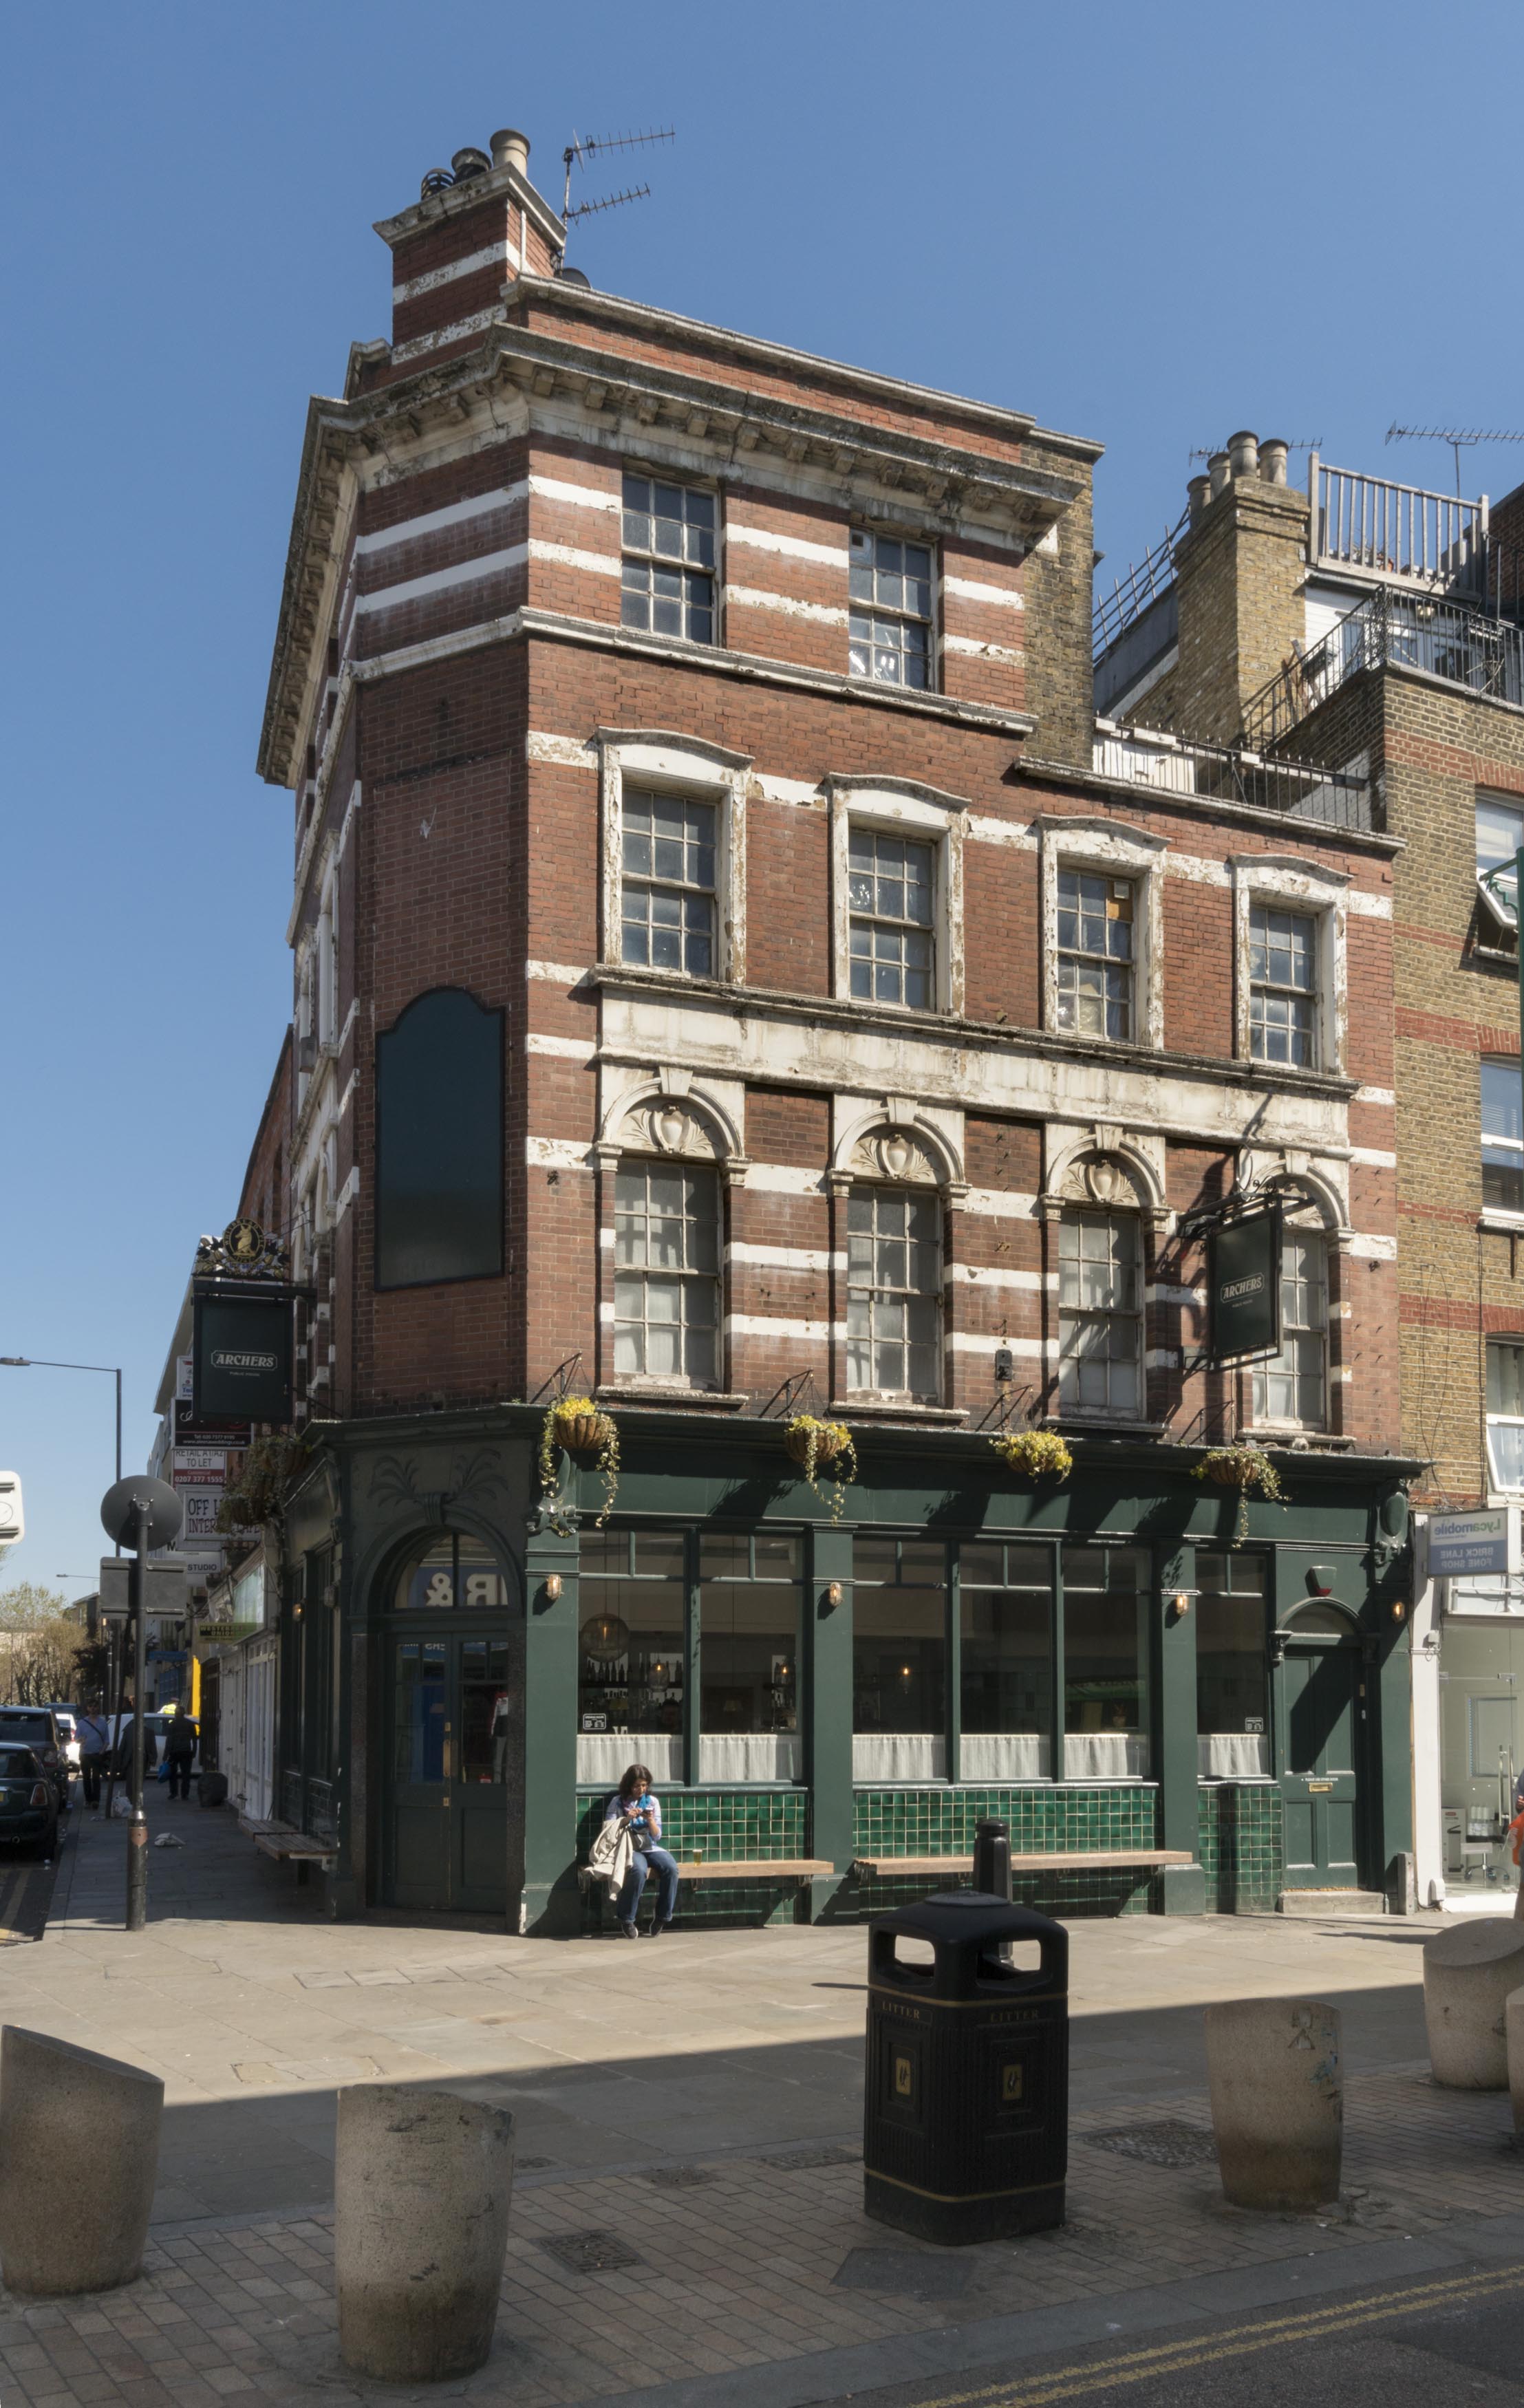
x=37, y=1727
x=28, y=1801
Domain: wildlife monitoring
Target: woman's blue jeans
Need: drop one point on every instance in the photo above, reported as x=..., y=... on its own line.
x=664, y=1866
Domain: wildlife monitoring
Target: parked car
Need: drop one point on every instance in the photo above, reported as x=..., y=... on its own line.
x=69, y=1724
x=154, y=1727
x=28, y=1801
x=37, y=1727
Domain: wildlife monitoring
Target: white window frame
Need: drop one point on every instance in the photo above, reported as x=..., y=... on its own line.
x=1108, y=850
x=682, y=1166
x=1072, y=1213
x=1284, y=884
x=918, y=1191
x=717, y=575
x=657, y=762
x=932, y=622
x=1259, y=1421
x=326, y=970
x=899, y=807
x=1497, y=1486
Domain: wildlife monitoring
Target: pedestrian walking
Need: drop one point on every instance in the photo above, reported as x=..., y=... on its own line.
x=179, y=1748
x=634, y=1809
x=95, y=1755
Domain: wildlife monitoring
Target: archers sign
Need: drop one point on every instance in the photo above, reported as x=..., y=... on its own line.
x=242, y=1358
x=1244, y=1284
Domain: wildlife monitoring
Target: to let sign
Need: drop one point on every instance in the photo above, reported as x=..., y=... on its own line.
x=1482, y=1542
x=1244, y=1284
x=242, y=1358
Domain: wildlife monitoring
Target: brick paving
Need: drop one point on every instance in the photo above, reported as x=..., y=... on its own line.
x=738, y=2270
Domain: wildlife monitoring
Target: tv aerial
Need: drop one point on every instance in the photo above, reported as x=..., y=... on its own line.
x=1208, y=450
x=1457, y=437
x=581, y=148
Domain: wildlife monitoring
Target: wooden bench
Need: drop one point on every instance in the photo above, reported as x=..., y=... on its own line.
x=727, y=1869
x=287, y=1845
x=1088, y=1860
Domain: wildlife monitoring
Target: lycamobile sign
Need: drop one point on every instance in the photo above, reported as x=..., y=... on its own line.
x=242, y=1357
x=1243, y=1285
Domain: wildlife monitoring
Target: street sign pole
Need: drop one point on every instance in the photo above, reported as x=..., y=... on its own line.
x=148, y=1513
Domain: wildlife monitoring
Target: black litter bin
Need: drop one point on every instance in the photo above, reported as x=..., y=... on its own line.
x=966, y=2119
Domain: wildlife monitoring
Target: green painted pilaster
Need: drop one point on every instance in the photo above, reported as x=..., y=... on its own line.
x=549, y=1906
x=1392, y=1682
x=1175, y=1720
x=828, y=1729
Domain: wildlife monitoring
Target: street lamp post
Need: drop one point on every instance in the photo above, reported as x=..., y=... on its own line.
x=109, y=1370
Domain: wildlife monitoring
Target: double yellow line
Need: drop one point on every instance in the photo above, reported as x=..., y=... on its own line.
x=1239, y=2341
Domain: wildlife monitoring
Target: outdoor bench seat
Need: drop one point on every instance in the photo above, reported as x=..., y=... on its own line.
x=1096, y=1860
x=757, y=1869
x=288, y=1845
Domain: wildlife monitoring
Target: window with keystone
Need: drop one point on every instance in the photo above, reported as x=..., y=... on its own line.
x=1503, y=1135
x=890, y=615
x=667, y=890
x=668, y=559
x=1100, y=1314
x=1293, y=1385
x=1505, y=1412
x=891, y=894
x=667, y=1259
x=894, y=1292
x=1283, y=985
x=1096, y=956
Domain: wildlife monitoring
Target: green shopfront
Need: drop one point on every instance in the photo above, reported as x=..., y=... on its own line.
x=1107, y=1663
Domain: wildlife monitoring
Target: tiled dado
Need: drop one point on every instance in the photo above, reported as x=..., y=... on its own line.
x=733, y=1826
x=1240, y=1845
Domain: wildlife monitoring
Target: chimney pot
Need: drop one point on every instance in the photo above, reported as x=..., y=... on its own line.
x=511, y=149
x=1217, y=472
x=469, y=164
x=1244, y=454
x=1272, y=454
x=1198, y=490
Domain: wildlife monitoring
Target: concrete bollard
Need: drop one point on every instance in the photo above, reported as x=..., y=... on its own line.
x=422, y=2183
x=1277, y=2100
x=79, y=2159
x=1467, y=1975
x=1513, y=2020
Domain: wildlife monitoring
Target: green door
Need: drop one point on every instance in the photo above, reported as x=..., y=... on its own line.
x=1320, y=1753
x=448, y=1772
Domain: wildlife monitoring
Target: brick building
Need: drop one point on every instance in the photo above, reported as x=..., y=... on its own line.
x=1381, y=627
x=731, y=980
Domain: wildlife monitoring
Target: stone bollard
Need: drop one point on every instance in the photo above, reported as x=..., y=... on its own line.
x=1513, y=2019
x=422, y=2183
x=1277, y=2100
x=79, y=2159
x=1467, y=1975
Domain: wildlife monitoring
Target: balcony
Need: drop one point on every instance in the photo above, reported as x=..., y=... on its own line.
x=1293, y=790
x=1405, y=535
x=1447, y=640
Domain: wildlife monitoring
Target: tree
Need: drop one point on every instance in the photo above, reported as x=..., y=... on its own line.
x=39, y=1650
x=25, y=1606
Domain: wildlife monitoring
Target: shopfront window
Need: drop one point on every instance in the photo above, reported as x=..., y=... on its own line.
x=1005, y=1617
x=898, y=1660
x=1105, y=1662
x=1232, y=1679
x=485, y=1703
x=454, y=1571
x=749, y=1598
x=630, y=1650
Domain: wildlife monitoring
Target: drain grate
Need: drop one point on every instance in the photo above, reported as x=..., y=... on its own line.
x=531, y=2165
x=680, y=2177
x=798, y=2161
x=1170, y=2144
x=591, y=2252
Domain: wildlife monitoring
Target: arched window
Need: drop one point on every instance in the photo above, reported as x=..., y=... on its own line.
x=1100, y=1314
x=666, y=1266
x=894, y=1291
x=453, y=1570
x=440, y=1142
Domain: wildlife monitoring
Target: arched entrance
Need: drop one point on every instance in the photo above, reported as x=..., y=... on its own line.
x=454, y=1717
x=1320, y=1747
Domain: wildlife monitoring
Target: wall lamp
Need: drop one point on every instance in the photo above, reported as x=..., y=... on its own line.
x=1180, y=1601
x=833, y=1592
x=552, y=1585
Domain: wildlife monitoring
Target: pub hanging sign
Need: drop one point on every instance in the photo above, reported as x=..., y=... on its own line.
x=1243, y=1287
x=242, y=1357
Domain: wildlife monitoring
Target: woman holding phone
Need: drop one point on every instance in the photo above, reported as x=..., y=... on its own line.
x=638, y=1811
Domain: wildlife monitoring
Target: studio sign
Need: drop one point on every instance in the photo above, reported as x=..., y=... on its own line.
x=241, y=1366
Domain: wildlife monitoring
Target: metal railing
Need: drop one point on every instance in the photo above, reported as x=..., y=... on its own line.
x=1402, y=534
x=1442, y=639
x=1295, y=790
x=1131, y=594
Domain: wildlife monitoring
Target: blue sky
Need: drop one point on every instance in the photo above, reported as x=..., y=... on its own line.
x=1149, y=225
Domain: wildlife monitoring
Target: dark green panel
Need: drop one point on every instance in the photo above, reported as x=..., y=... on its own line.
x=827, y=1708
x=551, y=1902
x=1301, y=1852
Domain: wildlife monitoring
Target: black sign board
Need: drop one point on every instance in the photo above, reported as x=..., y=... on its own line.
x=1243, y=1285
x=194, y=1429
x=241, y=1357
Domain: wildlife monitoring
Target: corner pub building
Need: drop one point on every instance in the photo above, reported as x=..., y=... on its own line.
x=731, y=980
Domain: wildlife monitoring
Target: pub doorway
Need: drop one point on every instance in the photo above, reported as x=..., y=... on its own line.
x=453, y=1715
x=1321, y=1744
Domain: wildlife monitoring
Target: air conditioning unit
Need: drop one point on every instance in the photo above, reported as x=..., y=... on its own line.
x=12, y=1519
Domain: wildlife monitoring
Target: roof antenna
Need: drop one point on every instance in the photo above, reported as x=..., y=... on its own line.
x=1455, y=437
x=579, y=150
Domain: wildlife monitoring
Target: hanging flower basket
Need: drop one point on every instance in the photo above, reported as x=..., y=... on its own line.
x=580, y=1425
x=1247, y=1469
x=813, y=1444
x=1036, y=1453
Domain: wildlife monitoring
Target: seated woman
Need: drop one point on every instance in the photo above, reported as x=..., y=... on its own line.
x=634, y=1806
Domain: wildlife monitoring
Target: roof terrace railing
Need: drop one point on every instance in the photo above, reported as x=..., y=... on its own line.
x=1131, y=594
x=1402, y=534
x=1295, y=790
x=1442, y=639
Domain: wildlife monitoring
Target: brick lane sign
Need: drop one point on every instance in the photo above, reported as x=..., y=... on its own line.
x=1482, y=1542
x=1243, y=1287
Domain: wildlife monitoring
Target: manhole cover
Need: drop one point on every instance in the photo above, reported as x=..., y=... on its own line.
x=1159, y=2145
x=798, y=2161
x=678, y=2177
x=591, y=2252
x=909, y=2273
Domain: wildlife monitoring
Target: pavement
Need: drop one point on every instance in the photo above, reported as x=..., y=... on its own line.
x=687, y=2223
